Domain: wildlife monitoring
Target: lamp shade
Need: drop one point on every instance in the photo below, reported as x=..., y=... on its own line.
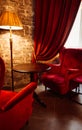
x=10, y=20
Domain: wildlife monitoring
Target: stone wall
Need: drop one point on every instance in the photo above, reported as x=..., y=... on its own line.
x=22, y=40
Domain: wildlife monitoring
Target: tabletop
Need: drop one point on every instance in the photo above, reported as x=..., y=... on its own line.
x=31, y=68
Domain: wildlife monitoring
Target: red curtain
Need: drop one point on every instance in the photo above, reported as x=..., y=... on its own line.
x=53, y=22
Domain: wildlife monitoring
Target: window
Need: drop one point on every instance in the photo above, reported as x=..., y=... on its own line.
x=75, y=37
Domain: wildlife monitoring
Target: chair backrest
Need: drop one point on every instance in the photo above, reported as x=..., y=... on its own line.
x=2, y=72
x=19, y=96
x=70, y=58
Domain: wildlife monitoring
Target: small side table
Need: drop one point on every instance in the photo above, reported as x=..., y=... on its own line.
x=32, y=68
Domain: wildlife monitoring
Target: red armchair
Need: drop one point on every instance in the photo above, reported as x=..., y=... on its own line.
x=16, y=107
x=61, y=76
x=2, y=72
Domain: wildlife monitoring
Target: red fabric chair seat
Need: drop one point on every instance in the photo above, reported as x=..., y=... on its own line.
x=78, y=79
x=56, y=79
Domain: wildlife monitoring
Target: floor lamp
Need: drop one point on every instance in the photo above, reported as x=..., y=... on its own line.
x=10, y=21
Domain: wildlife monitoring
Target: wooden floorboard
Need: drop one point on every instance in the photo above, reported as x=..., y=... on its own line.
x=60, y=113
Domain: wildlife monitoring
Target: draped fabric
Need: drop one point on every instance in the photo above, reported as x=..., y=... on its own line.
x=53, y=22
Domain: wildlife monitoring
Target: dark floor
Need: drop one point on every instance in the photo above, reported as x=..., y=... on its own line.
x=60, y=113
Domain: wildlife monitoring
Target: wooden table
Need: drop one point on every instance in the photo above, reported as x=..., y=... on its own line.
x=32, y=68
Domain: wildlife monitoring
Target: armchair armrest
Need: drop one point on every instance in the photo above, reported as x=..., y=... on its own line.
x=19, y=96
x=71, y=74
x=2, y=72
x=73, y=70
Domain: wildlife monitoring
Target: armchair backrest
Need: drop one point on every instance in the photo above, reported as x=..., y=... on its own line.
x=2, y=72
x=19, y=96
x=70, y=58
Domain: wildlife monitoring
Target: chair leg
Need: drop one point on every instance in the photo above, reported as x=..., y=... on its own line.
x=77, y=94
x=45, y=88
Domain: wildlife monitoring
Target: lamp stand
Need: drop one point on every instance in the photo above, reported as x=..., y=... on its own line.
x=9, y=20
x=11, y=57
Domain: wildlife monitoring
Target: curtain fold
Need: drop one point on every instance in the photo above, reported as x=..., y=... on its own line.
x=53, y=22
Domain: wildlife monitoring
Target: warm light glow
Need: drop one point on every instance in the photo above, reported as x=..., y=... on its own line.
x=10, y=20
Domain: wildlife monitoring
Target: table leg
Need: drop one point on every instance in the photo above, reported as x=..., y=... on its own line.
x=36, y=97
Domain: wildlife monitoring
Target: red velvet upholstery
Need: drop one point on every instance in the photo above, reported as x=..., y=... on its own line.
x=61, y=77
x=2, y=72
x=16, y=107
